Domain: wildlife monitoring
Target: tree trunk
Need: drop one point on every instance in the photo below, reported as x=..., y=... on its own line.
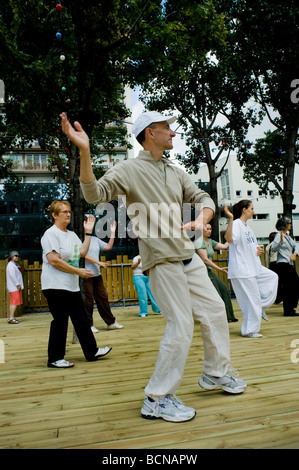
x=77, y=203
x=213, y=190
x=214, y=195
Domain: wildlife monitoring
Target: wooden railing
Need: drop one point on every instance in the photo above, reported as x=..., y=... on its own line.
x=118, y=280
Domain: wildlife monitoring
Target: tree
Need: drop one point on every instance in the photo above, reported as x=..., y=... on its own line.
x=268, y=163
x=73, y=58
x=191, y=80
x=264, y=36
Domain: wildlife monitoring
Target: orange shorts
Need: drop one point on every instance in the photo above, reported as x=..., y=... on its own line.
x=16, y=297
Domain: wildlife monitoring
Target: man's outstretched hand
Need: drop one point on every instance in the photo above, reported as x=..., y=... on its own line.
x=78, y=136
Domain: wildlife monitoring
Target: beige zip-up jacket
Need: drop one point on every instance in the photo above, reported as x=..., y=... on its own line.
x=154, y=202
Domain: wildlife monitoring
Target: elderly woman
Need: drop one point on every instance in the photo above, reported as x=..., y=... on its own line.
x=286, y=250
x=254, y=285
x=14, y=284
x=62, y=250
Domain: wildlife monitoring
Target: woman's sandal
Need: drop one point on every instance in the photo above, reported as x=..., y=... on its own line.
x=13, y=321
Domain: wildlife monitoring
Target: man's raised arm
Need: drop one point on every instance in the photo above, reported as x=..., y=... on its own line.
x=79, y=137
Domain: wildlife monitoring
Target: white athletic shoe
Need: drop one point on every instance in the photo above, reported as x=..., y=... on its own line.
x=228, y=383
x=253, y=335
x=94, y=329
x=169, y=408
x=114, y=326
x=61, y=364
x=103, y=351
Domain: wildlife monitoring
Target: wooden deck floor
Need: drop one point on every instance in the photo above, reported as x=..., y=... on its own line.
x=97, y=405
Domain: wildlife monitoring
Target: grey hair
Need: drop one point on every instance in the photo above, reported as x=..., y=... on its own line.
x=282, y=223
x=12, y=254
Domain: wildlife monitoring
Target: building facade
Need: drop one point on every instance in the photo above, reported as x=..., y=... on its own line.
x=24, y=213
x=232, y=187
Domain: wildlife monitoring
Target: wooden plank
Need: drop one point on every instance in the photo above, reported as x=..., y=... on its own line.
x=109, y=282
x=97, y=405
x=120, y=277
x=115, y=295
x=126, y=278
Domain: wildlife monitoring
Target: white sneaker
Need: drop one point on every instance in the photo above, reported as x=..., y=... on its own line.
x=94, y=329
x=61, y=364
x=169, y=408
x=102, y=351
x=114, y=326
x=228, y=383
x=253, y=335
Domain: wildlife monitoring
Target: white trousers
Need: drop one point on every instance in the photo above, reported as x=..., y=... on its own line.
x=184, y=292
x=253, y=295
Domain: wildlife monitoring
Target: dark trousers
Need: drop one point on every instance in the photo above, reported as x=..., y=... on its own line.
x=289, y=281
x=95, y=291
x=64, y=304
x=224, y=294
x=273, y=267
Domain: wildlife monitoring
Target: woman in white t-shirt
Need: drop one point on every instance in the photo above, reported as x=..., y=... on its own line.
x=95, y=290
x=254, y=285
x=62, y=250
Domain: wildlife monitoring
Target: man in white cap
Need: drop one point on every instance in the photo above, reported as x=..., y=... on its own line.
x=156, y=190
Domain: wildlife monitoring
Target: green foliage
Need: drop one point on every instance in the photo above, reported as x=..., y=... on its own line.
x=268, y=162
x=87, y=84
x=264, y=38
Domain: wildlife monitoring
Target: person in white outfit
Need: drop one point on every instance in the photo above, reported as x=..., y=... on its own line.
x=254, y=285
x=14, y=284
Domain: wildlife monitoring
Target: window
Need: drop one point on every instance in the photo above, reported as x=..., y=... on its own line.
x=238, y=193
x=29, y=162
x=249, y=192
x=17, y=161
x=261, y=217
x=225, y=184
x=44, y=162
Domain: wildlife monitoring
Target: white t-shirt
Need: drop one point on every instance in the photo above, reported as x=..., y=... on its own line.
x=96, y=245
x=67, y=245
x=14, y=277
x=137, y=271
x=243, y=258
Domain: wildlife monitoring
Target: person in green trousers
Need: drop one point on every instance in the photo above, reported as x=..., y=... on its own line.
x=205, y=247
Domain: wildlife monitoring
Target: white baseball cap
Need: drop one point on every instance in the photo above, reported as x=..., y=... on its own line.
x=149, y=117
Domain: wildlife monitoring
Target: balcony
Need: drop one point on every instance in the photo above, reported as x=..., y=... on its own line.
x=23, y=162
